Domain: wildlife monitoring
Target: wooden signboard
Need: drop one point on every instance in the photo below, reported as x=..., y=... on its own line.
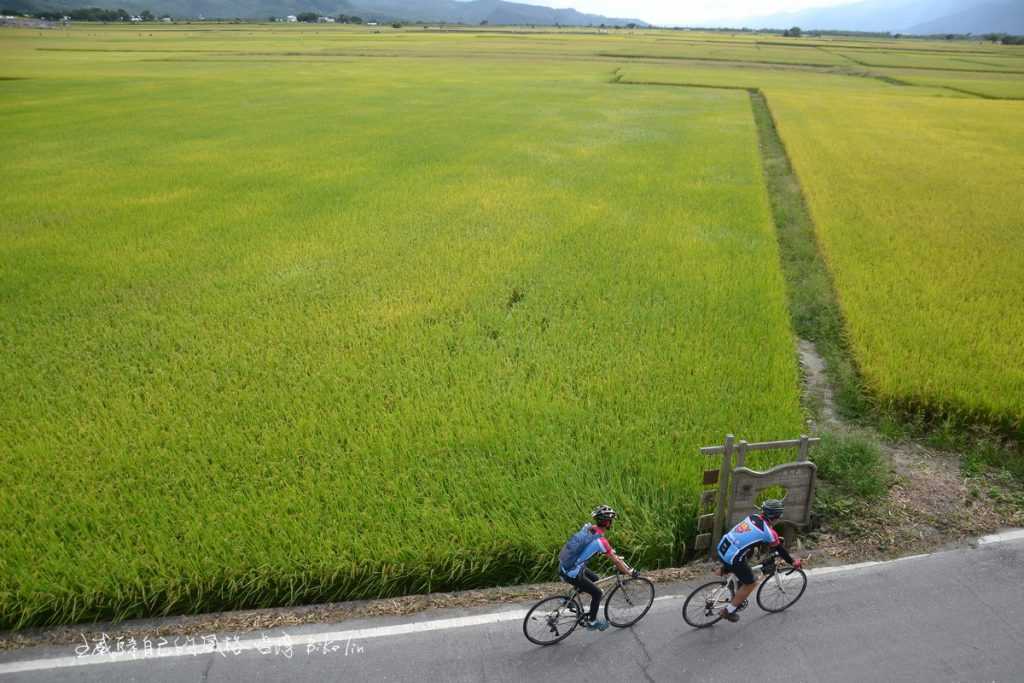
x=796, y=477
x=736, y=489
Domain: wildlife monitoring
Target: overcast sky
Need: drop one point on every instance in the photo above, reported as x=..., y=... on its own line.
x=686, y=11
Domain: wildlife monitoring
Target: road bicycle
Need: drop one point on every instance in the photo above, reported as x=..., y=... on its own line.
x=778, y=591
x=552, y=619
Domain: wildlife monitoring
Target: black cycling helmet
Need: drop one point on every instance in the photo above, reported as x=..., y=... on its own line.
x=772, y=508
x=604, y=513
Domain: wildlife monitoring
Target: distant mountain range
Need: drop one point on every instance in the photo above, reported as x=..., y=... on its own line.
x=496, y=12
x=991, y=17
x=491, y=11
x=903, y=16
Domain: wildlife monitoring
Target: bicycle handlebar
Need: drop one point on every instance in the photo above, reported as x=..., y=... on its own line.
x=772, y=554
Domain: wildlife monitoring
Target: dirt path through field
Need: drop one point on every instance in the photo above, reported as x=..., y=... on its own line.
x=930, y=504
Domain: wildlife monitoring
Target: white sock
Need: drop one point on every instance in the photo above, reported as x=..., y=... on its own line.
x=730, y=608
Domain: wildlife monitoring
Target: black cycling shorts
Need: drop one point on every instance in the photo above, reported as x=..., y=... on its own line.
x=741, y=569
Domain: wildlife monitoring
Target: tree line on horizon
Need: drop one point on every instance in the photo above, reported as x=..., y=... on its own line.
x=99, y=14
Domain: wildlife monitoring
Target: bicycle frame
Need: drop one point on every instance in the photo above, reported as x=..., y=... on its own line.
x=611, y=577
x=725, y=594
x=732, y=583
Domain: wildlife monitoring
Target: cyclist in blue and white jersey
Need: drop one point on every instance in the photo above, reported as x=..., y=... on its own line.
x=736, y=545
x=583, y=545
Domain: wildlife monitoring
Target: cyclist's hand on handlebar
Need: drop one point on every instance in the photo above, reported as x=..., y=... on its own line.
x=797, y=563
x=634, y=573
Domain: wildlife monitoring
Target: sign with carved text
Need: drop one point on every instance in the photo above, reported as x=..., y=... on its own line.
x=797, y=478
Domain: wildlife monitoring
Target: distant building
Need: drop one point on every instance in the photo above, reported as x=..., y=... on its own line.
x=325, y=20
x=371, y=23
x=291, y=18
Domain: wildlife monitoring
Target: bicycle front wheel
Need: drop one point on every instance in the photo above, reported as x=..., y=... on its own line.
x=629, y=602
x=701, y=608
x=551, y=620
x=781, y=589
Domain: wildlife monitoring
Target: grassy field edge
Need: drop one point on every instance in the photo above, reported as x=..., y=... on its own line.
x=813, y=305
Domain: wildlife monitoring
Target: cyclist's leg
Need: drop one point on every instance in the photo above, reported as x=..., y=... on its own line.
x=745, y=576
x=585, y=582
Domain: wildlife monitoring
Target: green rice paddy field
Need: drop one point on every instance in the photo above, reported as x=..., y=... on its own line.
x=303, y=314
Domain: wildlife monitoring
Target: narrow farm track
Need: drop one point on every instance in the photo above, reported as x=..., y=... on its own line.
x=975, y=93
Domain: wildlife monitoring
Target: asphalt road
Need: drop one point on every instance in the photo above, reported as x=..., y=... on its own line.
x=952, y=616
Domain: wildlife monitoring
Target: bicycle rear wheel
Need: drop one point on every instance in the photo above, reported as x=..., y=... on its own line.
x=629, y=602
x=551, y=620
x=701, y=607
x=781, y=590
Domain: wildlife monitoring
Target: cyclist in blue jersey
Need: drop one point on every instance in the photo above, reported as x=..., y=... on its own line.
x=583, y=545
x=736, y=545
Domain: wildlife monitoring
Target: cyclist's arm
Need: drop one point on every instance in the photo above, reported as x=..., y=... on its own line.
x=783, y=553
x=619, y=563
x=776, y=544
x=616, y=560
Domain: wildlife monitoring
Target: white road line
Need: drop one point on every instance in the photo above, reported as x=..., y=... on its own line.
x=382, y=631
x=267, y=642
x=821, y=571
x=1011, y=535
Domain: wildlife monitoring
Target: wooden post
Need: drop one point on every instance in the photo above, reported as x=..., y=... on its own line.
x=805, y=447
x=741, y=458
x=723, y=492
